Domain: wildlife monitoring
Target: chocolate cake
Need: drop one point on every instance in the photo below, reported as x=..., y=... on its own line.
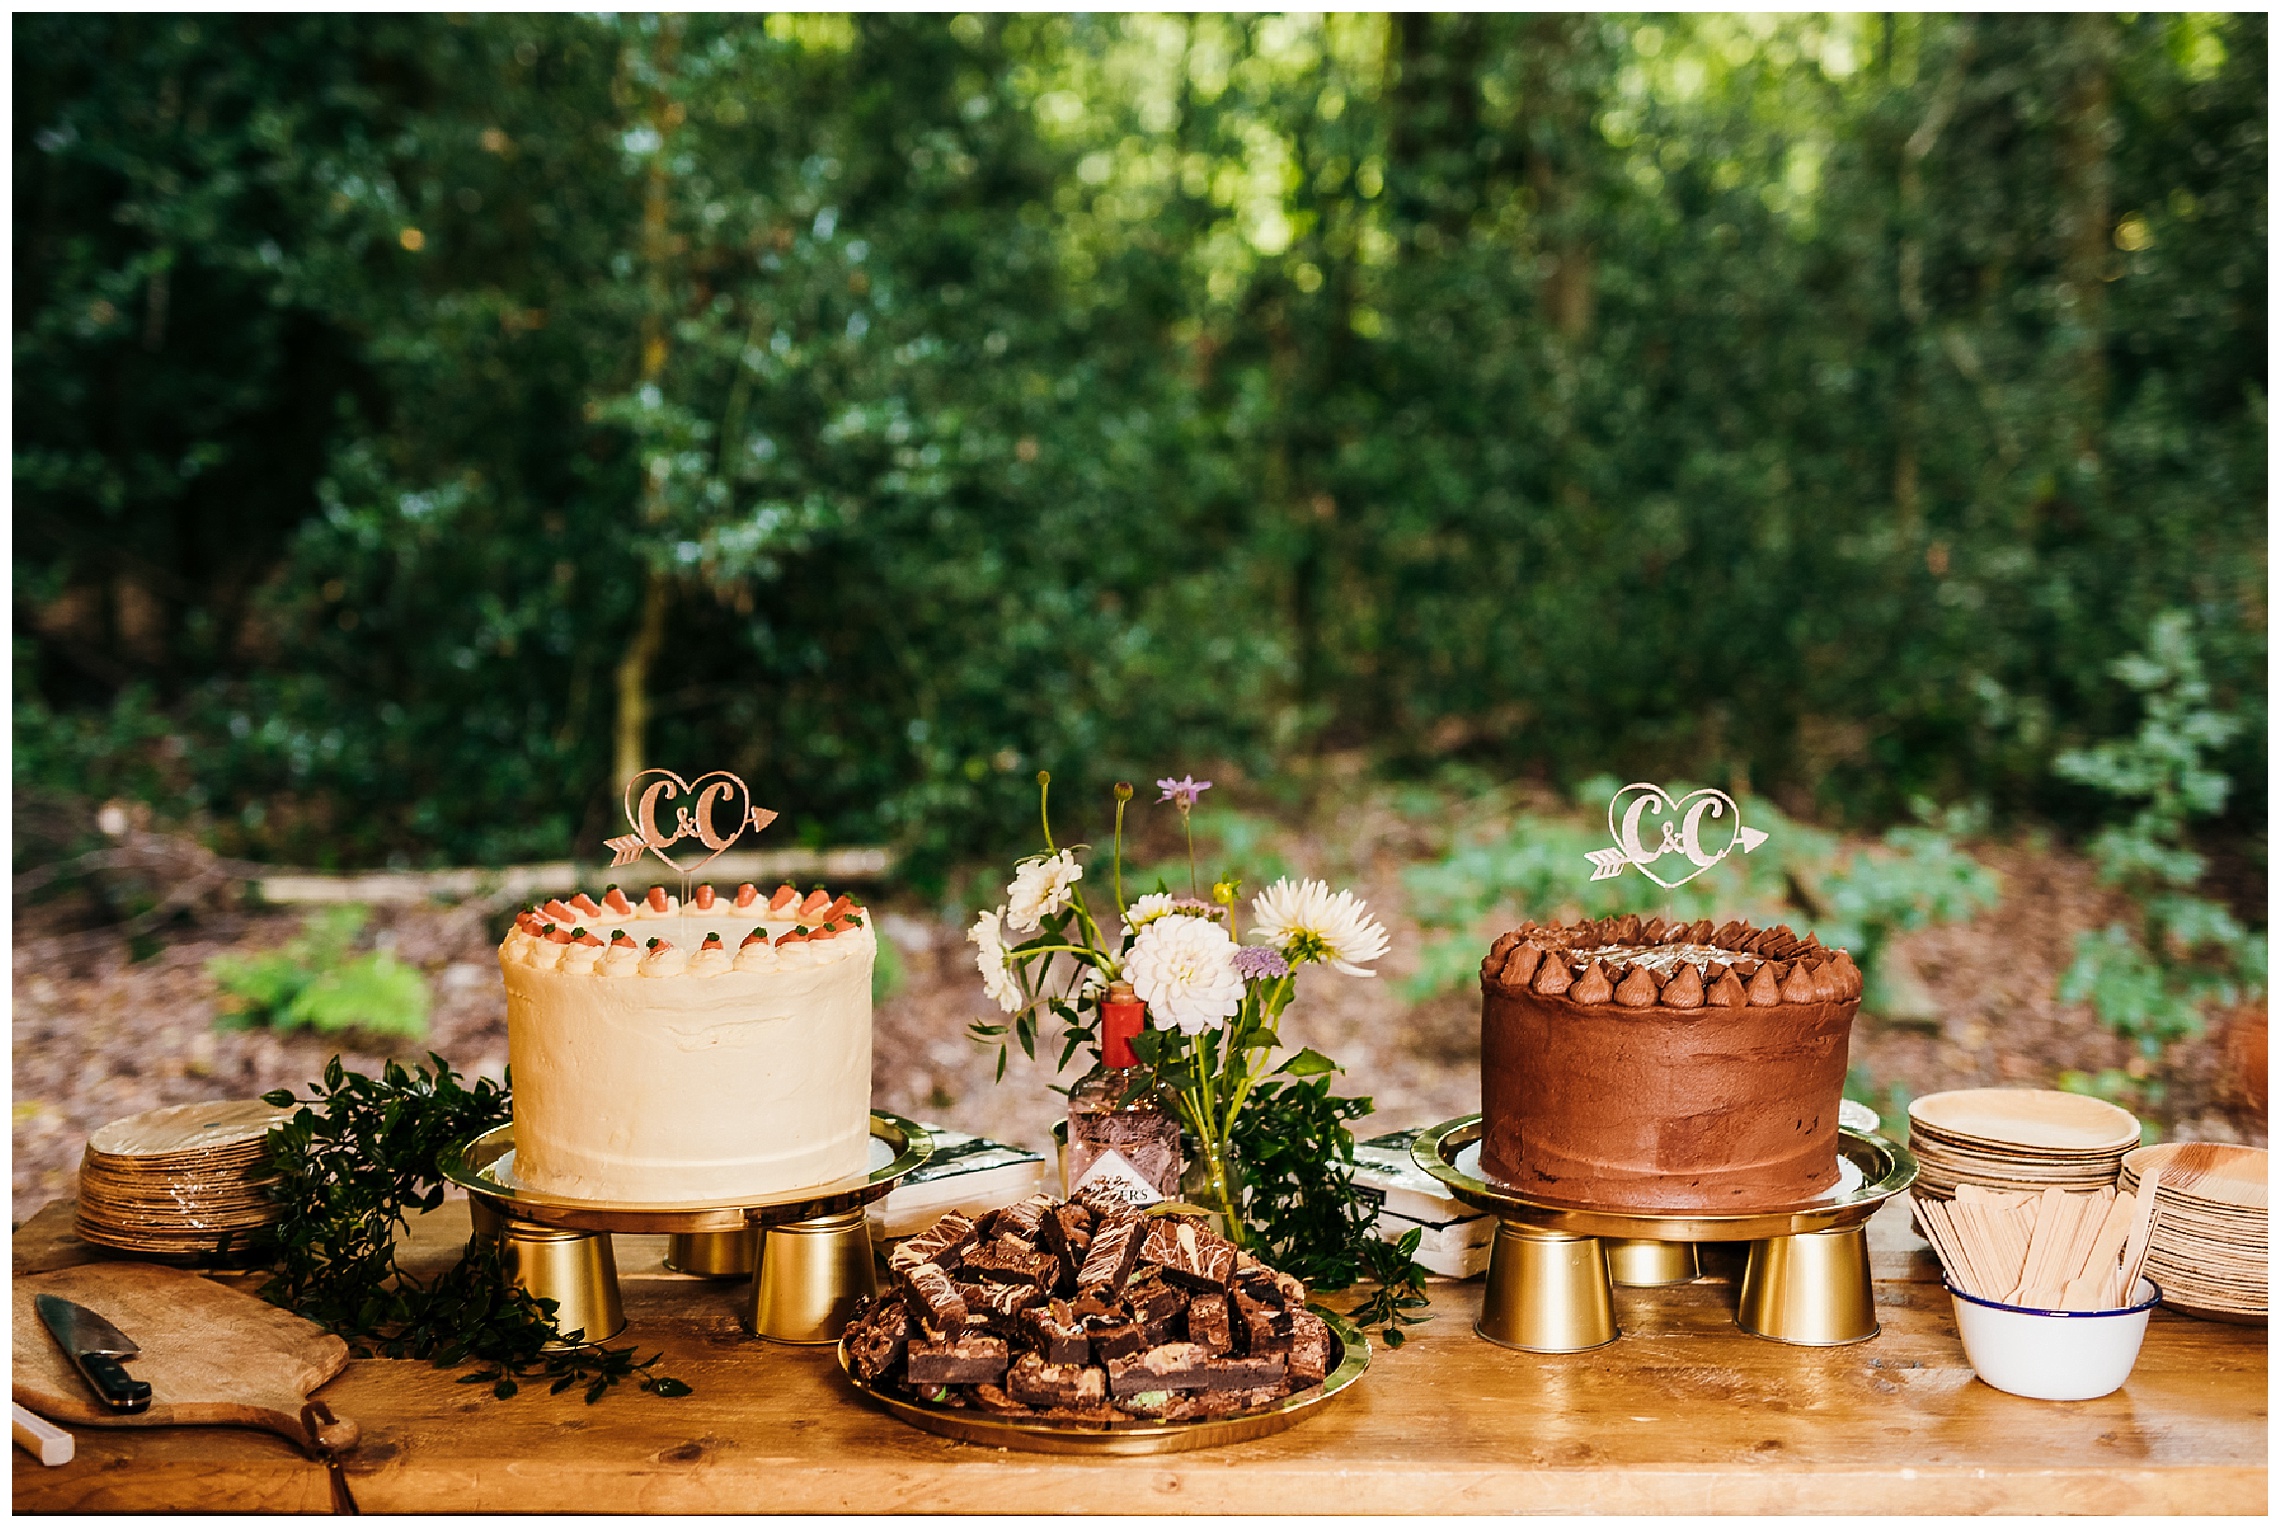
x=1635, y=1064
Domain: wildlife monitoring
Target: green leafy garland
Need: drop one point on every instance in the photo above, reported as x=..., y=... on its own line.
x=1297, y=1160
x=351, y=1164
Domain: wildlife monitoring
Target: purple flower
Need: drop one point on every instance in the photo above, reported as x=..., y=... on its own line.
x=1181, y=792
x=1254, y=962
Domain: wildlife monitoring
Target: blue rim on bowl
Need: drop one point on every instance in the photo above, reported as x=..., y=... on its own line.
x=2029, y=1310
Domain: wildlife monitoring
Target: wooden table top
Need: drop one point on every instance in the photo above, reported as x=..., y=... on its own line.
x=1685, y=1413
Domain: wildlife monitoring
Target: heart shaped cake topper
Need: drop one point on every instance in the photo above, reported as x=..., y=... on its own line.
x=1681, y=832
x=697, y=818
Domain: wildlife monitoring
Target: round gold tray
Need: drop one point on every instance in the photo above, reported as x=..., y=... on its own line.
x=475, y=1167
x=1450, y=1152
x=992, y=1430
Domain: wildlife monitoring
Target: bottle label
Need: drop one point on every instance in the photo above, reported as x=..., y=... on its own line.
x=1112, y=1173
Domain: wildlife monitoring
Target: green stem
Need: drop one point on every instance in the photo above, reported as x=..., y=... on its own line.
x=1187, y=826
x=1044, y=816
x=1118, y=862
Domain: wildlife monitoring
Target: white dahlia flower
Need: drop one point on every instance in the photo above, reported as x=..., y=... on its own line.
x=1146, y=910
x=1184, y=970
x=1040, y=889
x=1306, y=922
x=991, y=958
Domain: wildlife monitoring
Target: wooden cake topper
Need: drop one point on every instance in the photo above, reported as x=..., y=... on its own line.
x=693, y=820
x=1681, y=832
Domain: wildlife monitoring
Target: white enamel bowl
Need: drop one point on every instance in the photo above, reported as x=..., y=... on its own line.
x=2054, y=1355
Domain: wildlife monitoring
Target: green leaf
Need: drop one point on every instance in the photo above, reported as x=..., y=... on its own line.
x=1307, y=1063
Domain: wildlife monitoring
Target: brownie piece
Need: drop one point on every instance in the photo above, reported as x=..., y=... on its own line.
x=1006, y=1261
x=1068, y=1230
x=1255, y=1372
x=1115, y=1250
x=968, y=1359
x=1208, y=1325
x=1189, y=1366
x=1096, y=1308
x=1120, y=1340
x=998, y=1305
x=876, y=1342
x=1309, y=1347
x=1205, y=1405
x=1024, y=1221
x=1152, y=1301
x=937, y=1298
x=1058, y=1333
x=1190, y=1253
x=1265, y=1329
x=941, y=1244
x=1035, y=1382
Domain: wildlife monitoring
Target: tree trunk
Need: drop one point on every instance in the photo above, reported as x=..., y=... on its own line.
x=633, y=679
x=664, y=114
x=2089, y=196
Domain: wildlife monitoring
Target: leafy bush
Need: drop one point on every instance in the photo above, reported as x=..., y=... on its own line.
x=2153, y=981
x=1919, y=877
x=1820, y=397
x=317, y=982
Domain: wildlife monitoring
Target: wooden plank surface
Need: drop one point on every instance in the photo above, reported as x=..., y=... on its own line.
x=1684, y=1414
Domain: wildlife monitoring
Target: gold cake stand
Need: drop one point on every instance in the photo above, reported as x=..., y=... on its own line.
x=1548, y=1274
x=812, y=1246
x=1138, y=1436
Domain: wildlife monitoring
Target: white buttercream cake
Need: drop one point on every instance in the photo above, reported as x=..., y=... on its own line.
x=666, y=1054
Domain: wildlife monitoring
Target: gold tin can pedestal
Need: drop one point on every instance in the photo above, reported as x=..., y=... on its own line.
x=559, y=1248
x=1807, y=1281
x=1637, y=1264
x=713, y=1254
x=811, y=1274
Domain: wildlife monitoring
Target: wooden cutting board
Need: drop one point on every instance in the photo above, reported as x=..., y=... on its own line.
x=212, y=1355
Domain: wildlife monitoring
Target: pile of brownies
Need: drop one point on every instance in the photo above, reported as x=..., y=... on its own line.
x=1087, y=1311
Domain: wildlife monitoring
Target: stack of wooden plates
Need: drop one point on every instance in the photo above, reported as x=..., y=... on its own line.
x=2017, y=1139
x=2210, y=1254
x=184, y=1182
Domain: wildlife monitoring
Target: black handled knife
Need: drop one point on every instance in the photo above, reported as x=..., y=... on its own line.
x=96, y=1346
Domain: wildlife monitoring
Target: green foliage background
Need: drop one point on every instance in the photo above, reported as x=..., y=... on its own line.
x=1827, y=402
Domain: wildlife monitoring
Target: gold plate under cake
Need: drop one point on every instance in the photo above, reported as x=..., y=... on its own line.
x=1036, y=1435
x=472, y=1166
x=1885, y=1168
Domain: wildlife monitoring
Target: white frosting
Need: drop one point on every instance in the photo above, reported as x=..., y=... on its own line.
x=735, y=1076
x=580, y=959
x=664, y=960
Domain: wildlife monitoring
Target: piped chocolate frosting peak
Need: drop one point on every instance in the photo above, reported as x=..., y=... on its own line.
x=1652, y=963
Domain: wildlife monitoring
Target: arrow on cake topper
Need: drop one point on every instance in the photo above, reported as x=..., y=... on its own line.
x=695, y=821
x=1681, y=832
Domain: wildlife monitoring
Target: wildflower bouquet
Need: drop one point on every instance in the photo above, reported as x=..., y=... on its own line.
x=1215, y=991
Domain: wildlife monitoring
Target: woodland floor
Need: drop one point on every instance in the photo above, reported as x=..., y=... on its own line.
x=99, y=1035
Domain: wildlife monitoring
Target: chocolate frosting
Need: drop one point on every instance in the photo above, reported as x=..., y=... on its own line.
x=1684, y=1100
